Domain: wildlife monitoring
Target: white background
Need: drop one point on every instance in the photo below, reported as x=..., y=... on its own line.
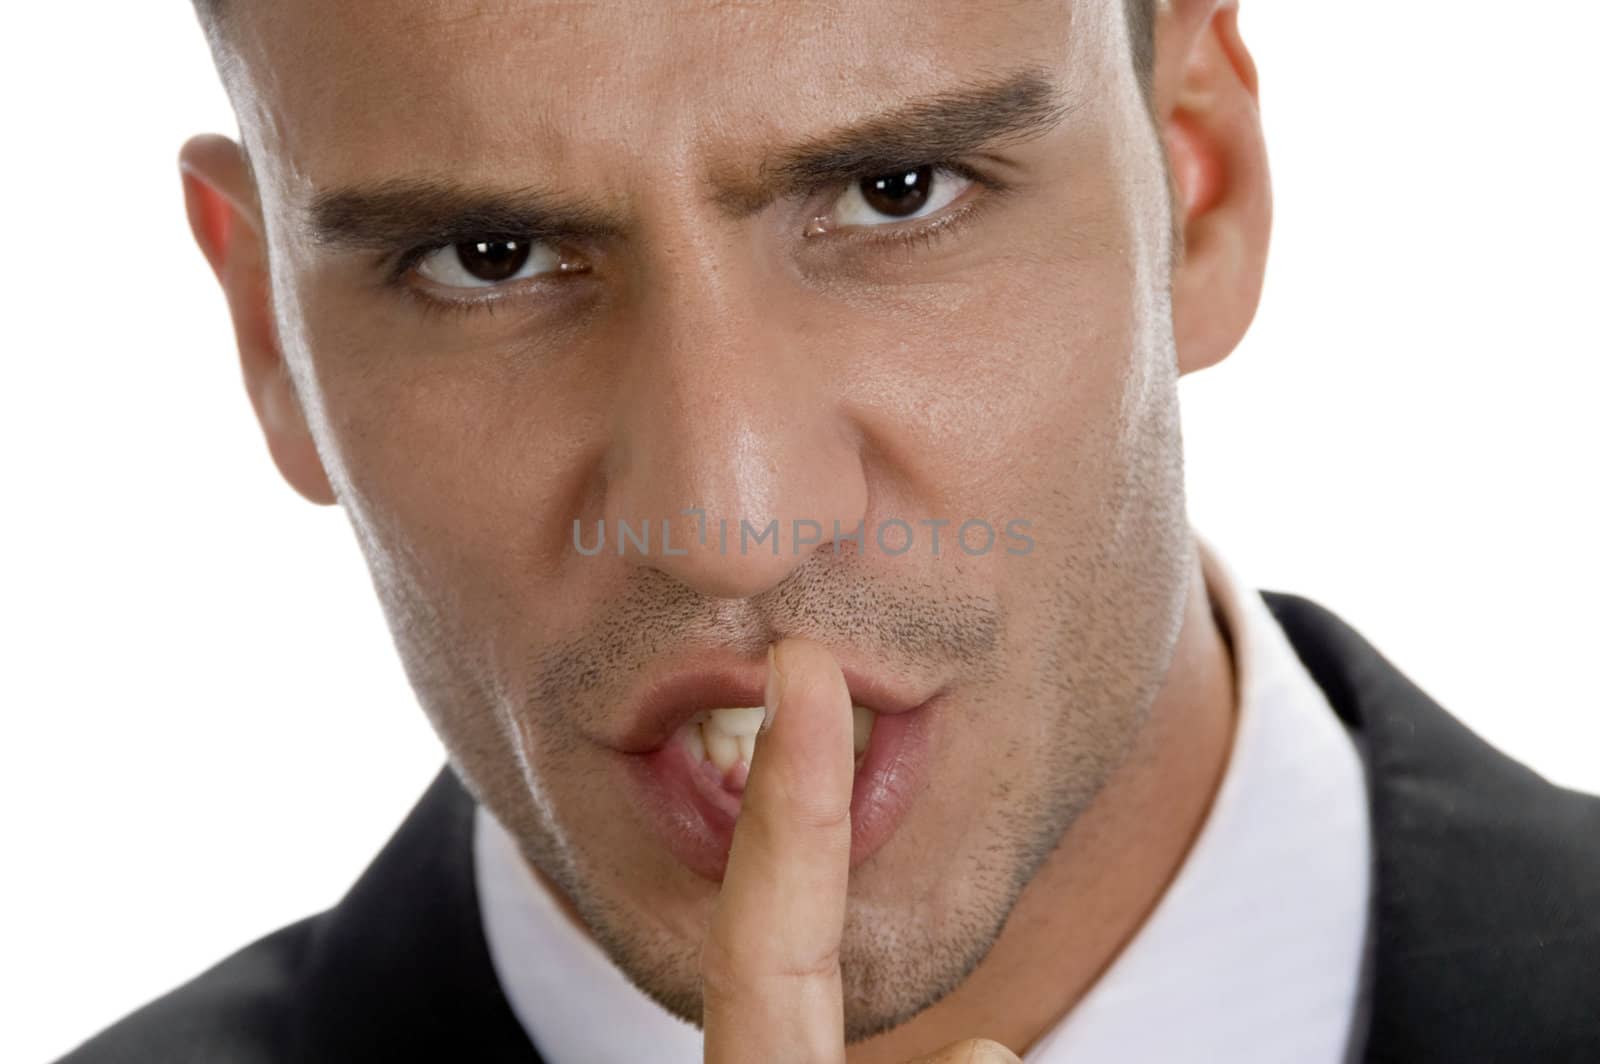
x=207, y=733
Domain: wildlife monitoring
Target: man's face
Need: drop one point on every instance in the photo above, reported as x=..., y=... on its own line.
x=983, y=338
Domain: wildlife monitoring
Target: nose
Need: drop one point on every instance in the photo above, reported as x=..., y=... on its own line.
x=732, y=457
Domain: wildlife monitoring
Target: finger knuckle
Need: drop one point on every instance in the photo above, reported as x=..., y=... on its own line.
x=825, y=813
x=824, y=965
x=982, y=1051
x=727, y=973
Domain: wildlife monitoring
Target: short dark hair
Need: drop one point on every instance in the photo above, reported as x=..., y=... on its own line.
x=1141, y=16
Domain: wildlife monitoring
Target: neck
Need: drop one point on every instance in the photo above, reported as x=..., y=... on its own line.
x=1092, y=894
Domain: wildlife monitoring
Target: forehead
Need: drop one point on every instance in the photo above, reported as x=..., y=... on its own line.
x=340, y=91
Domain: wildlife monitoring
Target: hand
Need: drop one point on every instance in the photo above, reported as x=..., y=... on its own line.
x=770, y=966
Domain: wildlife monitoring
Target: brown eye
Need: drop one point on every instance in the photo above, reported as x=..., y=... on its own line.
x=911, y=193
x=898, y=195
x=489, y=262
x=493, y=260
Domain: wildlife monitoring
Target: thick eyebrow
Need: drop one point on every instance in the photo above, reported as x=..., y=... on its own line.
x=940, y=128
x=404, y=213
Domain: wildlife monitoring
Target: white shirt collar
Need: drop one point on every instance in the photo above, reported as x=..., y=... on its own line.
x=1253, y=954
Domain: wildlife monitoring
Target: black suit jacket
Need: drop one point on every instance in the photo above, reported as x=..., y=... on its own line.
x=1487, y=915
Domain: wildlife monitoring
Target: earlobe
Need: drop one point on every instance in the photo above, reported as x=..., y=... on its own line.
x=1222, y=191
x=219, y=193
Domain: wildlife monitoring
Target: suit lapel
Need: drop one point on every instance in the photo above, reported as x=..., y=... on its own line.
x=1487, y=876
x=399, y=970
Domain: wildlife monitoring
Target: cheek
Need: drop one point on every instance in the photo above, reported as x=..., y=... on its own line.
x=455, y=459
x=1020, y=378
x=1001, y=400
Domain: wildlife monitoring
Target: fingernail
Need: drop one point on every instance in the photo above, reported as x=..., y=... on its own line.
x=774, y=693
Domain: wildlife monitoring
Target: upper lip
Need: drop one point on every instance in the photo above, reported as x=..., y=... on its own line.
x=662, y=703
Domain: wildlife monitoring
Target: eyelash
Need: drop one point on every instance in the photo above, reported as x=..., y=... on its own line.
x=926, y=232
x=912, y=237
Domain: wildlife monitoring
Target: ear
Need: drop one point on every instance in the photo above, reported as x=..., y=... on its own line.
x=1207, y=107
x=225, y=216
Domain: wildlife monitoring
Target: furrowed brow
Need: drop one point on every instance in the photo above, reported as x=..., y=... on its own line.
x=956, y=122
x=406, y=213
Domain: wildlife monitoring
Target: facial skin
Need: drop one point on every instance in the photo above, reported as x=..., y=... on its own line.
x=710, y=348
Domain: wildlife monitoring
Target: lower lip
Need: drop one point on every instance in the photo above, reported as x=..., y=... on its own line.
x=695, y=816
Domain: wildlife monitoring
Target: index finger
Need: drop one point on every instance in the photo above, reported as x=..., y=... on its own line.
x=770, y=974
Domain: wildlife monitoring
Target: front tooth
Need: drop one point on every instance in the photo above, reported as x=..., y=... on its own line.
x=863, y=722
x=745, y=720
x=722, y=748
x=728, y=736
x=697, y=742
